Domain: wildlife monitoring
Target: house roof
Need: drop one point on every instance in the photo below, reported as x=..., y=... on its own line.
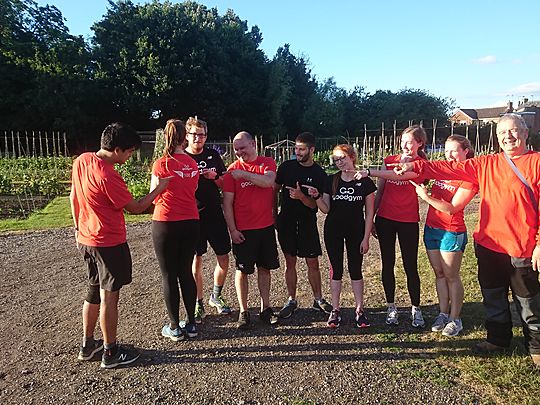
x=483, y=113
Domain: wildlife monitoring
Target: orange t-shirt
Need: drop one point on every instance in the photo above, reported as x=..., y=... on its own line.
x=177, y=202
x=507, y=222
x=252, y=204
x=445, y=190
x=101, y=194
x=399, y=201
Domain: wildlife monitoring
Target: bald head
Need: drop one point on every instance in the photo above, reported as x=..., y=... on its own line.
x=244, y=146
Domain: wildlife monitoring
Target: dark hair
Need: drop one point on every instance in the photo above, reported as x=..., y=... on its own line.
x=174, y=134
x=306, y=138
x=420, y=136
x=463, y=142
x=119, y=135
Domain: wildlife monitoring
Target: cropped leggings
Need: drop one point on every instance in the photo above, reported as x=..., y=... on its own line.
x=335, y=236
x=174, y=244
x=408, y=237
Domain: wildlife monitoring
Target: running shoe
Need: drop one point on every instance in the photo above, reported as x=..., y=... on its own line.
x=199, y=312
x=243, y=320
x=334, y=319
x=439, y=323
x=486, y=347
x=361, y=320
x=175, y=335
x=88, y=352
x=417, y=318
x=392, y=317
x=453, y=328
x=322, y=305
x=288, y=309
x=268, y=317
x=191, y=330
x=123, y=356
x=219, y=304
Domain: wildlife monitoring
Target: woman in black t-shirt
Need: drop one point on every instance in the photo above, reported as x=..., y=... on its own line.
x=344, y=199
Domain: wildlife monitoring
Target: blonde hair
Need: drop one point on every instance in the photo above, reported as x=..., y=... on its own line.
x=174, y=134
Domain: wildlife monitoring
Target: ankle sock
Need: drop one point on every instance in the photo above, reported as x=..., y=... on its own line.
x=216, y=291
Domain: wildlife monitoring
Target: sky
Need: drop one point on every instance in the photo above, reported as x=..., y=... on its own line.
x=480, y=53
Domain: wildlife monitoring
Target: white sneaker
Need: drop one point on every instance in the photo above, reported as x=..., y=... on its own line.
x=439, y=323
x=417, y=318
x=453, y=328
x=392, y=316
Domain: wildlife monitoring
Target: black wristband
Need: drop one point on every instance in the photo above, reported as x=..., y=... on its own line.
x=318, y=196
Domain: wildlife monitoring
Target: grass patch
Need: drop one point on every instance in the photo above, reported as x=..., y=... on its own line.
x=431, y=370
x=57, y=214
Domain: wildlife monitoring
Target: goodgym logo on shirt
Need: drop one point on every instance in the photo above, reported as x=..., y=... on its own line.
x=245, y=184
x=186, y=172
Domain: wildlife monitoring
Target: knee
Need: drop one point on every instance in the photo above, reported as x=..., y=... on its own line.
x=92, y=295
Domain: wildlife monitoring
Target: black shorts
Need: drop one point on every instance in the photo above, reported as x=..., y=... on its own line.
x=299, y=235
x=108, y=267
x=259, y=249
x=214, y=231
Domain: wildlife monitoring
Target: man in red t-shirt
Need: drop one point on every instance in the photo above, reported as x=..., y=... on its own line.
x=98, y=198
x=507, y=242
x=247, y=205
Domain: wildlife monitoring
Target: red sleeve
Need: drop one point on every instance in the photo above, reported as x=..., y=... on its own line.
x=116, y=189
x=445, y=170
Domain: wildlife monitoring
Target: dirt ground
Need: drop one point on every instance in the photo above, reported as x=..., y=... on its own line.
x=300, y=361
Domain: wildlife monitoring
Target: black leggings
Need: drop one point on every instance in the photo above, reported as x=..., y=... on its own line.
x=174, y=244
x=334, y=237
x=408, y=237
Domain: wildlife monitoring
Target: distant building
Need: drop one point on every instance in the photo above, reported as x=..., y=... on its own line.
x=529, y=110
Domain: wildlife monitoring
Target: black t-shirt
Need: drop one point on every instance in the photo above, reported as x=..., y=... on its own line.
x=347, y=205
x=288, y=174
x=207, y=194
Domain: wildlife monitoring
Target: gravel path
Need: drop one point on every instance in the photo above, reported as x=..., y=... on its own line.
x=300, y=361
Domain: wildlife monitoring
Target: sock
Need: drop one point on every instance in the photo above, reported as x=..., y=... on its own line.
x=88, y=341
x=390, y=305
x=111, y=348
x=199, y=301
x=216, y=292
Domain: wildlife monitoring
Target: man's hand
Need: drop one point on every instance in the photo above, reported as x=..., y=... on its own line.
x=237, y=237
x=295, y=192
x=536, y=258
x=237, y=174
x=162, y=183
x=313, y=192
x=420, y=190
x=209, y=174
x=358, y=174
x=401, y=168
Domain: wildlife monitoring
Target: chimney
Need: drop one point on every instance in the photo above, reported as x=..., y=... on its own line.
x=509, y=107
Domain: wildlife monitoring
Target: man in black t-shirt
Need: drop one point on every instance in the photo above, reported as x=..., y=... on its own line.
x=212, y=223
x=297, y=221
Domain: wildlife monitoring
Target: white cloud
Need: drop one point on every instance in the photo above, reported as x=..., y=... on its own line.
x=526, y=88
x=486, y=60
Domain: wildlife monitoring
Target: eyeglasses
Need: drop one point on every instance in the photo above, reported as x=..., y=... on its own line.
x=337, y=159
x=195, y=134
x=511, y=131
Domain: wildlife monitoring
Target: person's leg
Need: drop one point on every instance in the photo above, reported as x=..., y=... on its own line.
x=386, y=234
x=188, y=231
x=441, y=285
x=108, y=316
x=197, y=275
x=90, y=316
x=494, y=271
x=334, y=243
x=264, y=281
x=314, y=276
x=241, y=285
x=451, y=264
x=291, y=277
x=221, y=270
x=408, y=237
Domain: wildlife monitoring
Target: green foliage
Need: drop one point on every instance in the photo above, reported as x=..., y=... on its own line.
x=137, y=176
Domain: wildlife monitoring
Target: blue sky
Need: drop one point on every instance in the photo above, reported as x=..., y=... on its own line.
x=479, y=53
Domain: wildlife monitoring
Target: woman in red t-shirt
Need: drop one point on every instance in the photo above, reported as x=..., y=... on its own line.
x=175, y=229
x=445, y=236
x=396, y=205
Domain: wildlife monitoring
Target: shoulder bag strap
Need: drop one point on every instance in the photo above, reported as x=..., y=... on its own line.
x=524, y=181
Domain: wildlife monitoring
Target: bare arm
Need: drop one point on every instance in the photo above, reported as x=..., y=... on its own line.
x=261, y=180
x=74, y=203
x=228, y=212
x=277, y=187
x=370, y=214
x=462, y=197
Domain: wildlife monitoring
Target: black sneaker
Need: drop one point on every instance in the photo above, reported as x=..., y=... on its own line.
x=288, y=309
x=361, y=320
x=123, y=356
x=268, y=317
x=191, y=330
x=243, y=320
x=322, y=305
x=88, y=352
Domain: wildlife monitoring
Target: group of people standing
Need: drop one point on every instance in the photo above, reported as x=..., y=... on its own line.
x=259, y=198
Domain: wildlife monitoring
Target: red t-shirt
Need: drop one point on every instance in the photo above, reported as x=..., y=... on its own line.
x=507, y=221
x=399, y=201
x=177, y=202
x=101, y=194
x=445, y=190
x=252, y=204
